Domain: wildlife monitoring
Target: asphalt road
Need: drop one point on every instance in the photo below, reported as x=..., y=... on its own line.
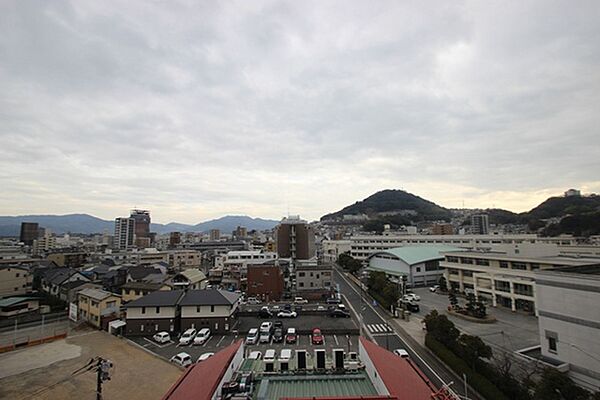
x=375, y=326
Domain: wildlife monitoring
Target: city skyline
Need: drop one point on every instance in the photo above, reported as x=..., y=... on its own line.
x=268, y=109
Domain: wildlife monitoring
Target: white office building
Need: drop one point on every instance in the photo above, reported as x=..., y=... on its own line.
x=569, y=320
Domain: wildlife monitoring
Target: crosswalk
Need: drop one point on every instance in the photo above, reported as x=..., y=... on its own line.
x=379, y=328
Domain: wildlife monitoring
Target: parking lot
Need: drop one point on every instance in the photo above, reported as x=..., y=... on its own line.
x=218, y=342
x=337, y=332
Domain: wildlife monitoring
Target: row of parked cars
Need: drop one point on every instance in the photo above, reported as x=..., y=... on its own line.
x=190, y=336
x=275, y=331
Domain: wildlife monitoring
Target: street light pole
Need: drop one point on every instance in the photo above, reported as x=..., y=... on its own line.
x=465, y=380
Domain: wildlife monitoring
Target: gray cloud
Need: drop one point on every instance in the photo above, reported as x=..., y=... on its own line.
x=197, y=110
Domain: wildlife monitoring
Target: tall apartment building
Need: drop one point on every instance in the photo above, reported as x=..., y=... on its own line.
x=124, y=233
x=480, y=224
x=142, y=223
x=295, y=239
x=29, y=232
x=241, y=232
x=174, y=239
x=44, y=242
x=215, y=234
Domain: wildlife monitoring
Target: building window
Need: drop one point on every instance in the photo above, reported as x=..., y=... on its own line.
x=197, y=309
x=468, y=273
x=483, y=262
x=452, y=259
x=535, y=266
x=94, y=303
x=552, y=338
x=212, y=308
x=301, y=274
x=466, y=260
x=142, y=328
x=519, y=265
x=418, y=269
x=143, y=310
x=301, y=284
x=503, y=264
x=158, y=310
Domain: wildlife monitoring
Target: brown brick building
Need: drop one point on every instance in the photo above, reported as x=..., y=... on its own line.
x=265, y=281
x=295, y=239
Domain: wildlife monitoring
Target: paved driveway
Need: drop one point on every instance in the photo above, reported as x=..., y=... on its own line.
x=512, y=331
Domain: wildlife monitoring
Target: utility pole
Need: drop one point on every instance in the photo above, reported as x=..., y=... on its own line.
x=103, y=374
x=99, y=379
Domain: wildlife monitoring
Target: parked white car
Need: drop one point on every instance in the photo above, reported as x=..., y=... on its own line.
x=411, y=297
x=300, y=300
x=183, y=359
x=162, y=337
x=187, y=336
x=255, y=355
x=202, y=336
x=287, y=314
x=205, y=357
x=265, y=337
x=401, y=353
x=434, y=288
x=252, y=336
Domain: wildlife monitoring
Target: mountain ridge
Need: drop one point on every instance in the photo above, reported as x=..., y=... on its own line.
x=82, y=223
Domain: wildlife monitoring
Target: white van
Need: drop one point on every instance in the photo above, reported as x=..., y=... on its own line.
x=269, y=355
x=252, y=336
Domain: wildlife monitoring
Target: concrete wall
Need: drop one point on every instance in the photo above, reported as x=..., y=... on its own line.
x=569, y=311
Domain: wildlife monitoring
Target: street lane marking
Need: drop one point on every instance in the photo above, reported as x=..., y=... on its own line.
x=220, y=340
x=208, y=340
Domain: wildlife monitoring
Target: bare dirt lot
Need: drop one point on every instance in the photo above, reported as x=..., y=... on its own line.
x=45, y=371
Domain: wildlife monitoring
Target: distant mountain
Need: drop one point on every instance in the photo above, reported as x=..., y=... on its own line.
x=561, y=206
x=395, y=206
x=230, y=222
x=88, y=224
x=59, y=224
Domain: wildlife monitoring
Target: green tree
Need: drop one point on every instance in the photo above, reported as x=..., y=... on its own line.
x=441, y=328
x=452, y=299
x=474, y=349
x=480, y=309
x=555, y=385
x=471, y=300
x=344, y=259
x=442, y=283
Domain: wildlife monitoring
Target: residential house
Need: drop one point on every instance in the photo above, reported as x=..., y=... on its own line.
x=98, y=307
x=214, y=309
x=190, y=279
x=157, y=311
x=134, y=290
x=68, y=291
x=54, y=278
x=14, y=280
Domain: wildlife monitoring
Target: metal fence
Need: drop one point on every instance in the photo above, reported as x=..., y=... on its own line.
x=35, y=332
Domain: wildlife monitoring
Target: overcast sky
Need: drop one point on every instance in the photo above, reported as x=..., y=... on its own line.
x=200, y=109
